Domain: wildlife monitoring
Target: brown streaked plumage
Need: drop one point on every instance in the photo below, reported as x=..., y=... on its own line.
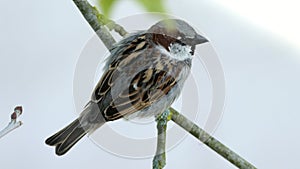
x=142, y=77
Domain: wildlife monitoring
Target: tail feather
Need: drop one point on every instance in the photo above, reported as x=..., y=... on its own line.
x=66, y=138
x=61, y=135
x=70, y=141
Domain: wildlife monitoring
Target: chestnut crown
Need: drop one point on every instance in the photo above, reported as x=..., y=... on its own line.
x=175, y=30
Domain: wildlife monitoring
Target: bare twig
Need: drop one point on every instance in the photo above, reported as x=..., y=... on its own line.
x=13, y=124
x=93, y=17
x=159, y=160
x=97, y=21
x=211, y=142
x=117, y=28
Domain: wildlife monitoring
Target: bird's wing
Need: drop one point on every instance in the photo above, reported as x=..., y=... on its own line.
x=145, y=87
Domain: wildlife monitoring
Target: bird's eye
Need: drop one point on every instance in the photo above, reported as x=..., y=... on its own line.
x=180, y=42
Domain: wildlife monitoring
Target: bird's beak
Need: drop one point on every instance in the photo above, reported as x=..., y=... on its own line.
x=200, y=39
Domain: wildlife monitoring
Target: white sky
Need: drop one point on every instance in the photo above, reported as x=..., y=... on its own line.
x=279, y=17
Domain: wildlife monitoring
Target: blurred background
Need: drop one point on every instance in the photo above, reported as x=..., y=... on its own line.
x=257, y=42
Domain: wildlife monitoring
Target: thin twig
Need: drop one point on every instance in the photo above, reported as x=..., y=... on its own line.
x=159, y=160
x=117, y=28
x=93, y=17
x=13, y=124
x=97, y=21
x=211, y=142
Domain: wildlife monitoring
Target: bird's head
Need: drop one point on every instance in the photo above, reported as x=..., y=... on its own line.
x=169, y=31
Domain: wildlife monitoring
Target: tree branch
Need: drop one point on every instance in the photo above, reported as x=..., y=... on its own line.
x=159, y=160
x=13, y=124
x=208, y=140
x=97, y=22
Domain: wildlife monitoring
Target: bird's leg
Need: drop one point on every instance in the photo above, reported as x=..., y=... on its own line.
x=159, y=160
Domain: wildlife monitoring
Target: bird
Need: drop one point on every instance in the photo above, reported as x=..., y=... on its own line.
x=143, y=76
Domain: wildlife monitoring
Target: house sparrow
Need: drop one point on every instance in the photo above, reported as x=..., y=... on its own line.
x=142, y=77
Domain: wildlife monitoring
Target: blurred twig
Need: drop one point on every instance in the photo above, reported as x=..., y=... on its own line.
x=158, y=6
x=97, y=21
x=13, y=124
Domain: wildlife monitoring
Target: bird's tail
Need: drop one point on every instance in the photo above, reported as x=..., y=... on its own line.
x=66, y=138
x=89, y=120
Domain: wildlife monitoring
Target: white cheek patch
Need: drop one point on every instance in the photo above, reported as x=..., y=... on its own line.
x=180, y=52
x=177, y=51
